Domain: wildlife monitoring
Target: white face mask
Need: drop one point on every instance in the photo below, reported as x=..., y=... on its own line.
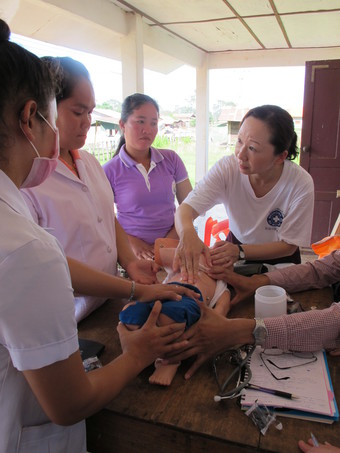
x=42, y=167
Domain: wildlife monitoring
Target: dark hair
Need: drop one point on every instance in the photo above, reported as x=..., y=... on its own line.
x=67, y=73
x=23, y=77
x=132, y=102
x=281, y=125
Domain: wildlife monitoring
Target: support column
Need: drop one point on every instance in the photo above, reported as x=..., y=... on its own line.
x=202, y=120
x=132, y=57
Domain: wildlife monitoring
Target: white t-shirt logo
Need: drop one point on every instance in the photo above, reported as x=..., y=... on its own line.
x=275, y=218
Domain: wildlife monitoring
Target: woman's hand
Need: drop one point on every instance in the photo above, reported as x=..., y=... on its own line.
x=148, y=293
x=143, y=271
x=187, y=256
x=141, y=249
x=224, y=253
x=322, y=448
x=146, y=344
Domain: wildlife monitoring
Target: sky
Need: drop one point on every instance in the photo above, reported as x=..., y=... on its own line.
x=246, y=87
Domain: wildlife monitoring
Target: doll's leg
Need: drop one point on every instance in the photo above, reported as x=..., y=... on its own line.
x=163, y=374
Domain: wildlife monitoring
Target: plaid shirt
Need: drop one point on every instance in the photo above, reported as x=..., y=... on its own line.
x=315, y=329
x=308, y=331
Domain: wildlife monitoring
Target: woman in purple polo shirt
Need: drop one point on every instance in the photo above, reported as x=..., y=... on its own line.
x=145, y=180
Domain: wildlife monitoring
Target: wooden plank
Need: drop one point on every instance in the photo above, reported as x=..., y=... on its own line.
x=184, y=416
x=108, y=432
x=185, y=405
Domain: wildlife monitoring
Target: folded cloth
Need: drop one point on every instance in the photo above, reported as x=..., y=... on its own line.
x=326, y=245
x=185, y=310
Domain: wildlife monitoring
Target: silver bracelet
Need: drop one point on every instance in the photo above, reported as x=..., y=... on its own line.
x=133, y=287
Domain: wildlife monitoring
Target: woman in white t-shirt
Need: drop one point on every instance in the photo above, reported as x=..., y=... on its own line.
x=45, y=393
x=268, y=198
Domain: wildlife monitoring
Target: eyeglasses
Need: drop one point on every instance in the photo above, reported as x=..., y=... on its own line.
x=285, y=360
x=232, y=364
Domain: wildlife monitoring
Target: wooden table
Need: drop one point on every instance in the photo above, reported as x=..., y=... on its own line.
x=184, y=417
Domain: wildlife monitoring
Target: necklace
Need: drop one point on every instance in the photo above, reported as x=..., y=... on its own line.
x=71, y=167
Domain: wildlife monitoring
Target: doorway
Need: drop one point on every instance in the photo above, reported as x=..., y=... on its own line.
x=320, y=141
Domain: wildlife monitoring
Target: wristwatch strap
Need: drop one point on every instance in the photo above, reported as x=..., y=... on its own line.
x=260, y=332
x=241, y=254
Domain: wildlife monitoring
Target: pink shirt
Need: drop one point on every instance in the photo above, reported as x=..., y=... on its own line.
x=316, y=274
x=79, y=212
x=145, y=200
x=315, y=329
x=308, y=331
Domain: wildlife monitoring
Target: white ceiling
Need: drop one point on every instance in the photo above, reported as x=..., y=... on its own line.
x=220, y=25
x=224, y=33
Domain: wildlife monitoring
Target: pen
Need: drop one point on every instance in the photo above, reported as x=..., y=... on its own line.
x=314, y=440
x=272, y=391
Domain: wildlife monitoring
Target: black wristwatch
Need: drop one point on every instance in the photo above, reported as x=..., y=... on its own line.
x=260, y=332
x=241, y=254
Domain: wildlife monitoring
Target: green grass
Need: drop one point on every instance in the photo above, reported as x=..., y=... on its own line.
x=185, y=147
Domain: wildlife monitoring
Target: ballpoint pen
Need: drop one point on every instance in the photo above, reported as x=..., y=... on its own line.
x=272, y=391
x=314, y=440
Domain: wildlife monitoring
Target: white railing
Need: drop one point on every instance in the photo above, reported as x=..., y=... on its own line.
x=103, y=151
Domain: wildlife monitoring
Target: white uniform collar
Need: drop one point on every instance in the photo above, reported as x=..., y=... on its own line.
x=10, y=194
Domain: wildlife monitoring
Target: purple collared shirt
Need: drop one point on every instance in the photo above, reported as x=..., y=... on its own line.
x=145, y=201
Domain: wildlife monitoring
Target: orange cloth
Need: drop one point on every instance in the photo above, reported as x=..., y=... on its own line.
x=326, y=245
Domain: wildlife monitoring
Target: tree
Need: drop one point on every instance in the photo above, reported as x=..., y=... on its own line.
x=111, y=104
x=217, y=108
x=189, y=107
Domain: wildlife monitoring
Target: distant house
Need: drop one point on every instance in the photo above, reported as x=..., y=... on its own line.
x=183, y=119
x=104, y=129
x=108, y=119
x=231, y=118
x=177, y=125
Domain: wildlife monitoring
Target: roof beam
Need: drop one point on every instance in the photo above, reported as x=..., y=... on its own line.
x=269, y=58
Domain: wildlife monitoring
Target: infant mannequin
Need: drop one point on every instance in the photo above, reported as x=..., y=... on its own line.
x=214, y=293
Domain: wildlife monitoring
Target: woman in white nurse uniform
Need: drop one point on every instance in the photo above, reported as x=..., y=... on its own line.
x=45, y=393
x=76, y=205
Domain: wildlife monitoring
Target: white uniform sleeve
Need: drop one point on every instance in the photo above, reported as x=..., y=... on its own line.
x=37, y=323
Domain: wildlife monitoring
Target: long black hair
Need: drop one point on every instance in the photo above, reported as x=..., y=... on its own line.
x=23, y=77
